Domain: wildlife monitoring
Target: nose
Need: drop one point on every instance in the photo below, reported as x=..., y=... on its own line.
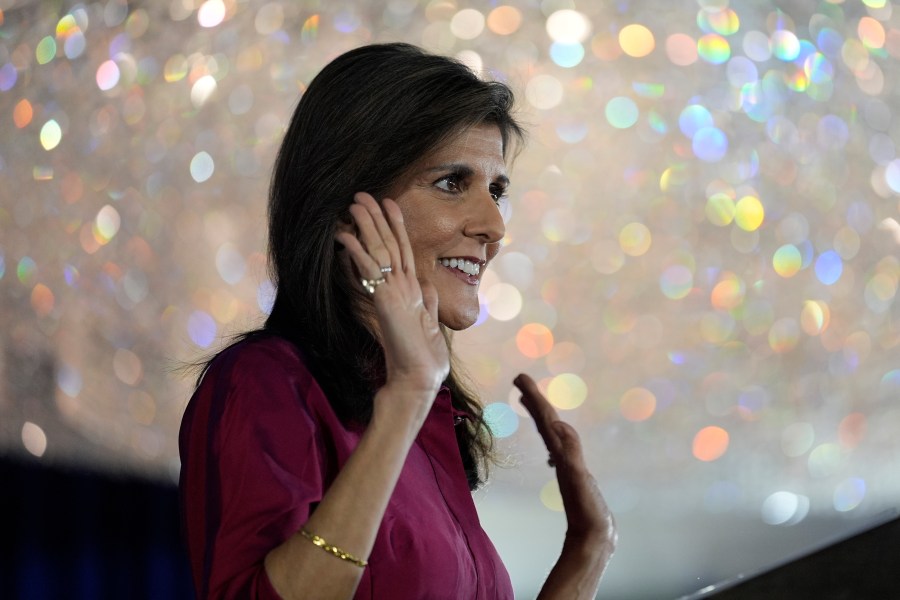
x=485, y=222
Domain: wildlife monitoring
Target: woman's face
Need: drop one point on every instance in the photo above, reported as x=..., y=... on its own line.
x=450, y=207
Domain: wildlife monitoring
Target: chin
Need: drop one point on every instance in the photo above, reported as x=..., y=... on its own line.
x=458, y=321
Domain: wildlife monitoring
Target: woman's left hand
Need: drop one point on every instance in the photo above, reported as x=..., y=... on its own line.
x=591, y=534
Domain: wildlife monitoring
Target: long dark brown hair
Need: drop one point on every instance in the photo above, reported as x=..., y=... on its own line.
x=363, y=121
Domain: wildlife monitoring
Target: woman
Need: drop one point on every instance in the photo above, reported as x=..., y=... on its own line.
x=332, y=454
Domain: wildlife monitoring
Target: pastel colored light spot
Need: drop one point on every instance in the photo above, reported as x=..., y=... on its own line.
x=784, y=508
x=728, y=293
x=635, y=239
x=34, y=439
x=8, y=77
x=825, y=460
x=211, y=13
x=504, y=20
x=534, y=340
x=749, y=213
x=201, y=328
x=503, y=300
x=265, y=296
x=784, y=335
x=787, y=260
x=203, y=89
x=51, y=135
x=69, y=380
x=22, y=113
x=710, y=443
x=106, y=224
x=567, y=391
x=636, y=40
x=694, y=118
x=467, y=24
x=849, y=494
x=852, y=429
x=45, y=51
x=720, y=209
x=785, y=45
x=621, y=112
x=544, y=91
x=202, y=167
x=829, y=267
x=871, y=32
x=107, y=75
x=709, y=144
x=676, y=282
x=550, y=496
x=713, y=48
x=42, y=300
x=566, y=55
x=725, y=21
x=637, y=404
x=818, y=69
x=230, y=263
x=568, y=26
x=681, y=49
x=26, y=269
x=814, y=317
x=500, y=419
x=892, y=175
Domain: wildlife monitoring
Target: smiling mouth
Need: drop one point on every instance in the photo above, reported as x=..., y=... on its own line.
x=463, y=265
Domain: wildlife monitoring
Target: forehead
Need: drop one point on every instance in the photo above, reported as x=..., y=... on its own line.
x=476, y=144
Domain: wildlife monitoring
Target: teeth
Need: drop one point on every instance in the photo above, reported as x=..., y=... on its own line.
x=466, y=266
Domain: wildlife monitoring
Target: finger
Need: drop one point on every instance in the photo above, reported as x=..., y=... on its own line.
x=430, y=298
x=384, y=230
x=370, y=238
x=395, y=217
x=362, y=260
x=541, y=411
x=572, y=454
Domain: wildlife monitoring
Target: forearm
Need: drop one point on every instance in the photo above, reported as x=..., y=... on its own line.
x=348, y=516
x=577, y=572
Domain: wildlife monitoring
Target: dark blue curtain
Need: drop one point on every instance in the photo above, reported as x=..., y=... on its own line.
x=76, y=534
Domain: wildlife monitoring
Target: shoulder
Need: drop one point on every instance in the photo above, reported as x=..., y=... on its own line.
x=259, y=353
x=259, y=375
x=266, y=360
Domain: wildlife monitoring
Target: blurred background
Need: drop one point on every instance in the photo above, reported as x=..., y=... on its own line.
x=701, y=265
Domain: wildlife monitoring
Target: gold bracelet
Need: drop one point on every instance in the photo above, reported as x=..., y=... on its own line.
x=333, y=550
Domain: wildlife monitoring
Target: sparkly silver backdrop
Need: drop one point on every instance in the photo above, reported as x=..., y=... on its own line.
x=701, y=264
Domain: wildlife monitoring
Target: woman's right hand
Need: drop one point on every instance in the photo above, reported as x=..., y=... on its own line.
x=416, y=354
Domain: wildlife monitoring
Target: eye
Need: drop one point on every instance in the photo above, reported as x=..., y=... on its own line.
x=450, y=183
x=498, y=193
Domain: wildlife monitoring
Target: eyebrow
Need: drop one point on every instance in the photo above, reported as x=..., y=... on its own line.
x=463, y=170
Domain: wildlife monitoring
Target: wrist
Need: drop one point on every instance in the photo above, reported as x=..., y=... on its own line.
x=402, y=407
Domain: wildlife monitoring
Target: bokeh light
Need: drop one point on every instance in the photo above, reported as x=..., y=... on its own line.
x=501, y=419
x=710, y=443
x=621, y=112
x=636, y=40
x=703, y=229
x=567, y=391
x=637, y=404
x=568, y=26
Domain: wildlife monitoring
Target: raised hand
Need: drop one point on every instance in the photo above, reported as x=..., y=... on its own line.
x=591, y=534
x=416, y=354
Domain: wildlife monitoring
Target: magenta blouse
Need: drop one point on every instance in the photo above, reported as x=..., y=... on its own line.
x=259, y=446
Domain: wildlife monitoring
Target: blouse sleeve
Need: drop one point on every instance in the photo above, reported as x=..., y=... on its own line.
x=251, y=470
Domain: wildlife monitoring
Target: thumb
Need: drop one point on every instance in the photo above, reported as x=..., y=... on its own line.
x=430, y=298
